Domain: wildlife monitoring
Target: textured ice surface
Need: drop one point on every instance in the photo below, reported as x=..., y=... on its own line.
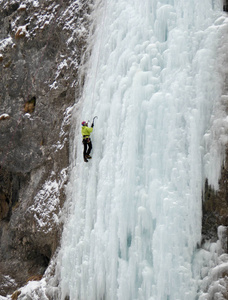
x=155, y=82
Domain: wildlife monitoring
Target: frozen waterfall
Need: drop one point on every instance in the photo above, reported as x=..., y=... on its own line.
x=155, y=81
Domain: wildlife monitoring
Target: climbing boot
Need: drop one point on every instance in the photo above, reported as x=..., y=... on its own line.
x=85, y=160
x=88, y=156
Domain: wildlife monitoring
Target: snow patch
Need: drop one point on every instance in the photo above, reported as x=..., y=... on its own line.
x=62, y=135
x=35, y=3
x=7, y=281
x=47, y=201
x=6, y=42
x=22, y=6
x=34, y=290
x=4, y=116
x=22, y=31
x=54, y=85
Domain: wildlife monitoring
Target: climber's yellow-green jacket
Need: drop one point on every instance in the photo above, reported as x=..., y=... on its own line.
x=86, y=131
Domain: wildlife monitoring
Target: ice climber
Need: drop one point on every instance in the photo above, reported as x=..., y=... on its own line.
x=86, y=140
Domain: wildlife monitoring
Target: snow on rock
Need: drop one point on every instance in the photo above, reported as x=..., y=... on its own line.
x=6, y=281
x=22, y=6
x=4, y=117
x=6, y=42
x=47, y=201
x=63, y=132
x=22, y=32
x=35, y=3
x=50, y=15
x=34, y=289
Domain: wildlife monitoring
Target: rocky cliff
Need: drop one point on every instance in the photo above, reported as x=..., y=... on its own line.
x=42, y=45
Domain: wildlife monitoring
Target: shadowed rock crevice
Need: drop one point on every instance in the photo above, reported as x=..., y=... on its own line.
x=29, y=106
x=9, y=191
x=225, y=5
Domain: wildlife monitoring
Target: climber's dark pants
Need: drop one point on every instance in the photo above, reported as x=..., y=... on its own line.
x=87, y=144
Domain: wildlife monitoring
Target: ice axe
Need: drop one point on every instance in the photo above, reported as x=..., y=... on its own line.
x=93, y=120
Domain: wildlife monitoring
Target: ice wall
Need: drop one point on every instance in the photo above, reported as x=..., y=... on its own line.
x=155, y=81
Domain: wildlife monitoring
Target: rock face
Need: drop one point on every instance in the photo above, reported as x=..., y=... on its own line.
x=215, y=206
x=225, y=5
x=42, y=44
